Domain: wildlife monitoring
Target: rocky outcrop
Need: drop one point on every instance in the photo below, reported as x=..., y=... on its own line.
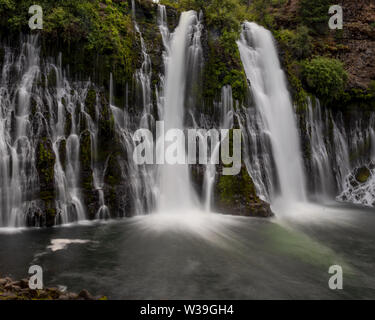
x=19, y=290
x=359, y=41
x=236, y=195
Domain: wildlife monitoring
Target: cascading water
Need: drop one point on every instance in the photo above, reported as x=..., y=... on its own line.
x=44, y=120
x=17, y=148
x=272, y=100
x=141, y=178
x=226, y=122
x=358, y=183
x=175, y=187
x=36, y=102
x=321, y=164
x=69, y=202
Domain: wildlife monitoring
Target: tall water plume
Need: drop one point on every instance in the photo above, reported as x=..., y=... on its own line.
x=273, y=102
x=175, y=186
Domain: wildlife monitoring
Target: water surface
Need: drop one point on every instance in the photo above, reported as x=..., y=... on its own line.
x=204, y=256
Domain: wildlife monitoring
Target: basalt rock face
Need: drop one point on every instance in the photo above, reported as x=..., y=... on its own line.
x=359, y=38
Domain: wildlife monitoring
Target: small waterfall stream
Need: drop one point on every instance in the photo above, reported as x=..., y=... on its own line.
x=69, y=202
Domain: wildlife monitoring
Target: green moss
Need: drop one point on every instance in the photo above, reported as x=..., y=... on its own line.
x=46, y=161
x=85, y=149
x=90, y=103
x=233, y=188
x=222, y=20
x=45, y=165
x=93, y=35
x=113, y=174
x=223, y=68
x=362, y=175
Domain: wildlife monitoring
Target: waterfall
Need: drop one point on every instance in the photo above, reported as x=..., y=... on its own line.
x=321, y=171
x=361, y=149
x=18, y=177
x=141, y=179
x=40, y=112
x=226, y=111
x=257, y=154
x=67, y=100
x=175, y=187
x=272, y=100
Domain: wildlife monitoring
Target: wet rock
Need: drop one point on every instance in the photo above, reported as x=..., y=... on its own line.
x=19, y=290
x=362, y=174
x=24, y=283
x=84, y=294
x=236, y=195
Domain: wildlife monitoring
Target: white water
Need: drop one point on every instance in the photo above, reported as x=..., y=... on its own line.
x=24, y=104
x=69, y=203
x=226, y=122
x=176, y=191
x=272, y=99
x=18, y=177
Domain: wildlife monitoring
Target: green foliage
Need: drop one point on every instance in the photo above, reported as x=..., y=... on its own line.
x=97, y=30
x=6, y=5
x=326, y=77
x=223, y=67
x=298, y=42
x=315, y=14
x=111, y=35
x=223, y=19
x=227, y=15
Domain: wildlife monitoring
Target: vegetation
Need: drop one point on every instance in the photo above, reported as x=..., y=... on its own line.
x=315, y=14
x=298, y=42
x=237, y=188
x=223, y=19
x=90, y=30
x=326, y=77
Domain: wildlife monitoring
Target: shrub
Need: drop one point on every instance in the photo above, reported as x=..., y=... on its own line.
x=297, y=42
x=326, y=77
x=315, y=14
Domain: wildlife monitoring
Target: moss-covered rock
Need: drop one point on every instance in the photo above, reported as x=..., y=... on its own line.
x=90, y=195
x=45, y=166
x=362, y=174
x=90, y=103
x=237, y=195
